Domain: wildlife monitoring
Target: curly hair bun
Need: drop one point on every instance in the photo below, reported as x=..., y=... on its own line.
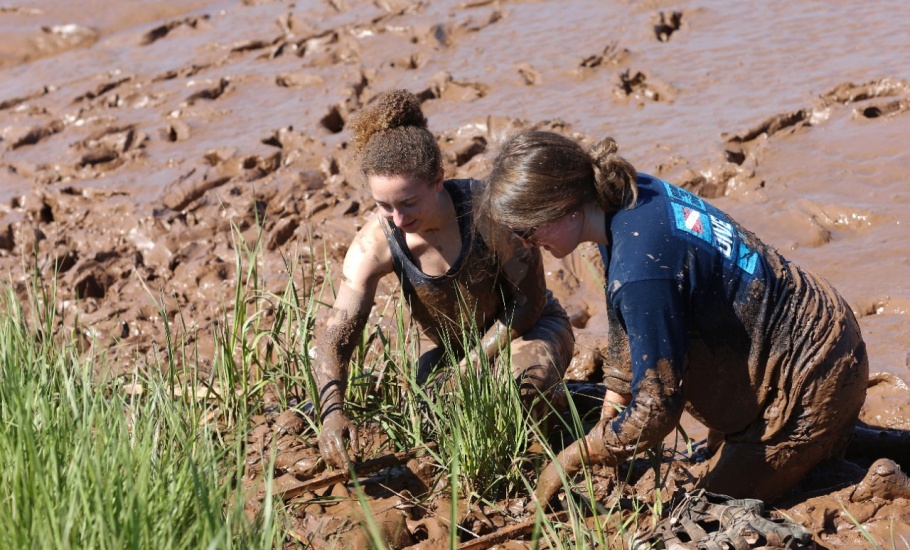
x=388, y=110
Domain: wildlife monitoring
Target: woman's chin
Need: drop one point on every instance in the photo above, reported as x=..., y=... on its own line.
x=558, y=254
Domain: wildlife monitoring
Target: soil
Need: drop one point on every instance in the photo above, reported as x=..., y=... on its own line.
x=138, y=138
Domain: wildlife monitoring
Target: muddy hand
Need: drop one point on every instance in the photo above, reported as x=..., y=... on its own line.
x=337, y=430
x=613, y=403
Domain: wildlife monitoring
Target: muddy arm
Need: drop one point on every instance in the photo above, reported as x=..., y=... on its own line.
x=652, y=317
x=338, y=333
x=657, y=340
x=653, y=412
x=525, y=299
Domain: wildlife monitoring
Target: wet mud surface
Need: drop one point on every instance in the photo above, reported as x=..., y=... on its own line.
x=137, y=142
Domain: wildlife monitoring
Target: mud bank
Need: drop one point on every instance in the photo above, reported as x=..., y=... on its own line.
x=138, y=144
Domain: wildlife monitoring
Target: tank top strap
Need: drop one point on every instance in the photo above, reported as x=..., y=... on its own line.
x=403, y=262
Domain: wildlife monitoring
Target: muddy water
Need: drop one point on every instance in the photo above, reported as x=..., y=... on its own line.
x=132, y=134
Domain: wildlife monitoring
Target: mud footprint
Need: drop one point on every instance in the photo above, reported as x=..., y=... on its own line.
x=329, y=48
x=884, y=109
x=334, y=120
x=211, y=93
x=739, y=146
x=529, y=75
x=35, y=134
x=162, y=31
x=611, y=56
x=108, y=145
x=444, y=86
x=184, y=72
x=299, y=80
x=849, y=92
x=102, y=89
x=640, y=86
x=19, y=100
x=447, y=35
x=189, y=187
x=666, y=23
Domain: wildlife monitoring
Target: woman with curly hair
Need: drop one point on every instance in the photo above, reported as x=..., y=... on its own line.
x=425, y=234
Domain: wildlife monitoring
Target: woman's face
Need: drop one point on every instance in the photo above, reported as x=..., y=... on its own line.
x=559, y=237
x=407, y=202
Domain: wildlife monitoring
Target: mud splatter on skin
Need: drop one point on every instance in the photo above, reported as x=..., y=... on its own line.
x=501, y=302
x=115, y=238
x=338, y=333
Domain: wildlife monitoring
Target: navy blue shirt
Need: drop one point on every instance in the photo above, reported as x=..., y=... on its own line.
x=714, y=318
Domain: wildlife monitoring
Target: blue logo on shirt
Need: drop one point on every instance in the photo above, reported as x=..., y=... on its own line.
x=695, y=217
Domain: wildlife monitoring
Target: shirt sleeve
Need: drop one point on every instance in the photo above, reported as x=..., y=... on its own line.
x=654, y=319
x=617, y=366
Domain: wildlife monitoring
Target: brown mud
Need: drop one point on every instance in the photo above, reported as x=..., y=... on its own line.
x=135, y=138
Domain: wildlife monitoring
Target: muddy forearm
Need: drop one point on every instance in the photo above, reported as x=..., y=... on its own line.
x=517, y=320
x=524, y=305
x=653, y=413
x=496, y=338
x=338, y=335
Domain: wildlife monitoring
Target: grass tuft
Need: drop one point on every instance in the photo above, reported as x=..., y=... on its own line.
x=84, y=465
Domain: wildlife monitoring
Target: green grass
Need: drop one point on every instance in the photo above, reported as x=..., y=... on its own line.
x=90, y=465
x=84, y=465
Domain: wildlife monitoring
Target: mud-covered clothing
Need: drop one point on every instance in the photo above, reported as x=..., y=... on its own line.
x=467, y=299
x=467, y=295
x=714, y=321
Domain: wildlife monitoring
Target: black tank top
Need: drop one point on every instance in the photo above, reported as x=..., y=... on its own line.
x=464, y=301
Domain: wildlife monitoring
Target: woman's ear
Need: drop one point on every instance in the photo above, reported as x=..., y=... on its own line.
x=440, y=179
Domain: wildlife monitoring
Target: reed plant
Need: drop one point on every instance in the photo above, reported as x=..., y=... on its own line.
x=472, y=408
x=85, y=465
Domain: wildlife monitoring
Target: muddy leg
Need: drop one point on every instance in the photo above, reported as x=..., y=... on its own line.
x=753, y=470
x=538, y=381
x=428, y=363
x=539, y=361
x=870, y=442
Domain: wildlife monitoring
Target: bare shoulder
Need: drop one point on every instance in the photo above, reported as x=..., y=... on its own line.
x=368, y=258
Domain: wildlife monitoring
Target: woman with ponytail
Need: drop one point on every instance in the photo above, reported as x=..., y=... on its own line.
x=451, y=282
x=703, y=317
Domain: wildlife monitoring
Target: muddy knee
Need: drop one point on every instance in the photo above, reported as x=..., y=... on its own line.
x=536, y=378
x=428, y=363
